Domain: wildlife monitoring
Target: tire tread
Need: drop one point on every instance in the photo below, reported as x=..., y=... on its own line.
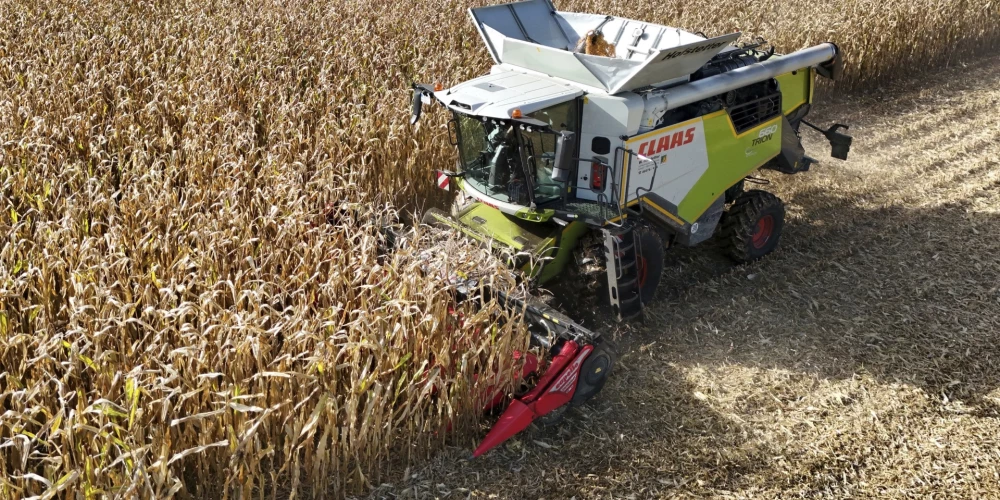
x=741, y=218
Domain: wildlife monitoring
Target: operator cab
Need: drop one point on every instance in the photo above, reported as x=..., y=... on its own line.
x=512, y=161
x=520, y=140
x=516, y=135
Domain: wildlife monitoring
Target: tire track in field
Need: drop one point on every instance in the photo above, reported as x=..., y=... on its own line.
x=925, y=124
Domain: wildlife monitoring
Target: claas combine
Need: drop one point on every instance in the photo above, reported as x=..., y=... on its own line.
x=598, y=142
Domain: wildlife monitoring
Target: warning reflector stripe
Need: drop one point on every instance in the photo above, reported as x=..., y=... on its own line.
x=442, y=180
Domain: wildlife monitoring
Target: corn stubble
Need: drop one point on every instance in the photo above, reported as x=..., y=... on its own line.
x=177, y=317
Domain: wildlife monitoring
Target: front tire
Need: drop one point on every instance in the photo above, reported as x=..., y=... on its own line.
x=753, y=225
x=641, y=270
x=649, y=263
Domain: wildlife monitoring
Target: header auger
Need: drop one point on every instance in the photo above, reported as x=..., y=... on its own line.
x=601, y=141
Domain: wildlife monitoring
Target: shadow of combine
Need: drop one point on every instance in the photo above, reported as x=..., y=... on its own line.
x=905, y=295
x=640, y=417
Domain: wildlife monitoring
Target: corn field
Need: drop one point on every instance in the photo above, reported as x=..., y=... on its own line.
x=178, y=316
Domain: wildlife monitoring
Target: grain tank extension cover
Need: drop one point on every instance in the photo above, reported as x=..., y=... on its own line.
x=534, y=36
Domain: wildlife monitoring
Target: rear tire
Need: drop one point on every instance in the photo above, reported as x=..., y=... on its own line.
x=752, y=226
x=734, y=191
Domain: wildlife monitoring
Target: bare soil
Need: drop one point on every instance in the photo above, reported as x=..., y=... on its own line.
x=859, y=360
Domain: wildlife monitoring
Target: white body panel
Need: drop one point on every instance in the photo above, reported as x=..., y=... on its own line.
x=609, y=117
x=679, y=157
x=551, y=62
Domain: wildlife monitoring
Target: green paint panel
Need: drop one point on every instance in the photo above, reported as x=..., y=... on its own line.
x=568, y=240
x=795, y=89
x=541, y=240
x=505, y=229
x=730, y=158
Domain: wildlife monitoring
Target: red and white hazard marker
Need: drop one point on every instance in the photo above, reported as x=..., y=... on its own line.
x=443, y=180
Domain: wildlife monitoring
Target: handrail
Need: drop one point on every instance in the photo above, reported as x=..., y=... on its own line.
x=628, y=180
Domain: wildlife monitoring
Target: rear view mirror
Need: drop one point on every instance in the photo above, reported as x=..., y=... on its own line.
x=564, y=157
x=453, y=132
x=417, y=105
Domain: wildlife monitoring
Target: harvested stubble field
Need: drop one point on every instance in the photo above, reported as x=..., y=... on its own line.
x=177, y=316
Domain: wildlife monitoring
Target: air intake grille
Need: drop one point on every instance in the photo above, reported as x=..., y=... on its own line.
x=750, y=114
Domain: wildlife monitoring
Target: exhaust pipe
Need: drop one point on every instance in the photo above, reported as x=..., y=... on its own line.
x=738, y=78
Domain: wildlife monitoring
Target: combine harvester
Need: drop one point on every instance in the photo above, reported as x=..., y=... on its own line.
x=600, y=141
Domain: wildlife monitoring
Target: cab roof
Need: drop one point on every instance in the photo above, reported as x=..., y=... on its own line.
x=498, y=94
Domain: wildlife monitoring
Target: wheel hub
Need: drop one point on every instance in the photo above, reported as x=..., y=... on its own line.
x=763, y=231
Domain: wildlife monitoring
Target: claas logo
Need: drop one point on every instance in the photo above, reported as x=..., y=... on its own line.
x=667, y=142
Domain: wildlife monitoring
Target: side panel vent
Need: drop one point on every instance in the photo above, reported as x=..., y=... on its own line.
x=752, y=113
